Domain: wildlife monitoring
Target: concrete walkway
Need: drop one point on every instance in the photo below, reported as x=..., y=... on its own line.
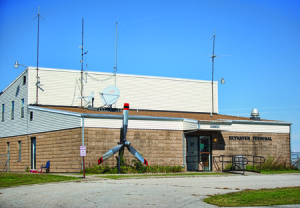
x=139, y=192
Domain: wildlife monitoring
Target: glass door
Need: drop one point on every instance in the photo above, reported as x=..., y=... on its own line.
x=192, y=153
x=33, y=153
x=205, y=153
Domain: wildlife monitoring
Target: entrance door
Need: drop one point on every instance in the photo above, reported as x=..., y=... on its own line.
x=205, y=152
x=33, y=153
x=192, y=153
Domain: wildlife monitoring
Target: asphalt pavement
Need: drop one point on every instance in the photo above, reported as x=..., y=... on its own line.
x=180, y=191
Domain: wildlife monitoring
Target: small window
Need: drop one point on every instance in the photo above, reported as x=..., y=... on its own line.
x=19, y=150
x=24, y=80
x=22, y=108
x=3, y=110
x=31, y=115
x=12, y=110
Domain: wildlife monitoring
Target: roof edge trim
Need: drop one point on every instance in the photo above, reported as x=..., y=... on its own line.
x=90, y=115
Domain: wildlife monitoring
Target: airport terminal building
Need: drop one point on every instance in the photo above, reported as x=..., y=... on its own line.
x=171, y=122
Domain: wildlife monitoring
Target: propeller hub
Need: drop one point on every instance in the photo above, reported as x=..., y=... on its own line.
x=127, y=143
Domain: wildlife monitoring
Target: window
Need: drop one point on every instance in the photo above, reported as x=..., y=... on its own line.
x=22, y=108
x=3, y=108
x=19, y=150
x=31, y=115
x=12, y=110
x=24, y=80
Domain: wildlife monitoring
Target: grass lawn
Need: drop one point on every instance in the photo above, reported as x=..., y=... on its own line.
x=279, y=171
x=263, y=197
x=16, y=179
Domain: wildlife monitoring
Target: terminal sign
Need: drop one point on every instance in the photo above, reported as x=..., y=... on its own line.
x=82, y=151
x=254, y=138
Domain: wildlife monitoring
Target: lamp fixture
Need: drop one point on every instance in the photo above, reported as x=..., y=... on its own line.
x=222, y=80
x=17, y=65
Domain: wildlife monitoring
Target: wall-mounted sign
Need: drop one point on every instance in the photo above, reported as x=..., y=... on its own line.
x=247, y=138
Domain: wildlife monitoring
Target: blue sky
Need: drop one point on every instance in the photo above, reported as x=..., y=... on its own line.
x=260, y=41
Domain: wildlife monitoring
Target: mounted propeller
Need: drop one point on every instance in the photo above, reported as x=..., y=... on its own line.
x=123, y=142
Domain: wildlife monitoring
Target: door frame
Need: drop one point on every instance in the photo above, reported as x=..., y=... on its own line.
x=33, y=153
x=198, y=152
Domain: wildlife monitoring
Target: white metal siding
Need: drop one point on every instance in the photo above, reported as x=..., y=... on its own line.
x=102, y=123
x=140, y=124
x=49, y=121
x=16, y=91
x=62, y=87
x=247, y=127
x=190, y=125
x=262, y=128
x=221, y=127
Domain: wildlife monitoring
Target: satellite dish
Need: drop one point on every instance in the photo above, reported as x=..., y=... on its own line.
x=89, y=98
x=110, y=95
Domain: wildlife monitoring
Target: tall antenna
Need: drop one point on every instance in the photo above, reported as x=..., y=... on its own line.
x=115, y=68
x=82, y=54
x=37, y=59
x=81, y=95
x=213, y=56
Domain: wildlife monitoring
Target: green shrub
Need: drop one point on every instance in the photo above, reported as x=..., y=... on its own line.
x=138, y=167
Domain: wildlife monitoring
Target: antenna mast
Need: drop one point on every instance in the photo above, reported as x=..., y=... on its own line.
x=115, y=68
x=81, y=95
x=82, y=54
x=37, y=61
x=212, y=74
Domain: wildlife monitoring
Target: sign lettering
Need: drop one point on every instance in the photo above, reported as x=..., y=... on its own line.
x=247, y=138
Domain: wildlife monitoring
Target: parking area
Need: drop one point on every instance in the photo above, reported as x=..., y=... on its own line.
x=185, y=191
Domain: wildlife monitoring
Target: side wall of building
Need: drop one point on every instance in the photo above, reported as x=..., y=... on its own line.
x=13, y=121
x=161, y=147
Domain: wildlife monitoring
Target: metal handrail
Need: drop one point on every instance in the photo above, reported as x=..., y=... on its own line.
x=240, y=161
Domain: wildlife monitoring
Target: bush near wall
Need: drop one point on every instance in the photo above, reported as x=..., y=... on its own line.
x=138, y=167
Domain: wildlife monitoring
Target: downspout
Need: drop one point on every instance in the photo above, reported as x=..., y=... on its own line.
x=183, y=141
x=290, y=145
x=82, y=137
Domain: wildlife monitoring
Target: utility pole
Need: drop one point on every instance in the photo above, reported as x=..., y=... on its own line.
x=212, y=74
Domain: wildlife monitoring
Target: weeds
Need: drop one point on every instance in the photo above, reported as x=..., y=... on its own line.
x=270, y=164
x=277, y=164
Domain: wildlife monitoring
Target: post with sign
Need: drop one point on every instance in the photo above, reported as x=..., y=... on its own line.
x=83, y=154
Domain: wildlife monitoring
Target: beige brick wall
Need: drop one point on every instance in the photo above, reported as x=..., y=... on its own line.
x=62, y=148
x=279, y=147
x=14, y=164
x=157, y=147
